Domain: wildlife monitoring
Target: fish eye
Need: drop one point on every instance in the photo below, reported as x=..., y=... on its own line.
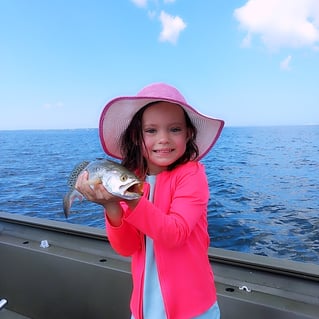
x=123, y=177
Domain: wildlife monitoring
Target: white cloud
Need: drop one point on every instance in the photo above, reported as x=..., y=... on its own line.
x=171, y=27
x=280, y=23
x=140, y=3
x=285, y=64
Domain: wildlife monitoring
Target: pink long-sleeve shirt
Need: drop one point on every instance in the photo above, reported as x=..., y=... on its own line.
x=177, y=223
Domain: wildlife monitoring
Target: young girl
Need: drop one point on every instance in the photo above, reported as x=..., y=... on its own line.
x=161, y=138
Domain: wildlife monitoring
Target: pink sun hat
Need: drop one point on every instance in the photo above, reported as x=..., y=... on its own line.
x=118, y=113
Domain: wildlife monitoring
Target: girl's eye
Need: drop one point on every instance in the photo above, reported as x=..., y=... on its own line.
x=176, y=129
x=150, y=130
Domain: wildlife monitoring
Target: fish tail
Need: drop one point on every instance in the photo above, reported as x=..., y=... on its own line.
x=68, y=200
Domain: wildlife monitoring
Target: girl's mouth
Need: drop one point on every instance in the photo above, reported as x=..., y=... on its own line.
x=164, y=151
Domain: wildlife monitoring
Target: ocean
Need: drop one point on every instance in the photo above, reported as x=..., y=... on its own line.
x=264, y=185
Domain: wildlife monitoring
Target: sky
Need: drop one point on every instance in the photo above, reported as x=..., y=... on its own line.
x=248, y=62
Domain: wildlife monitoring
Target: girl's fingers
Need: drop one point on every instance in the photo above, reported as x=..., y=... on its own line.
x=82, y=178
x=97, y=194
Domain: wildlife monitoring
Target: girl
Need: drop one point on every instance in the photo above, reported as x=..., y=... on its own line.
x=161, y=138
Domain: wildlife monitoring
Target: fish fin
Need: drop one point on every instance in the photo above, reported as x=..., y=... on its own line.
x=68, y=200
x=76, y=172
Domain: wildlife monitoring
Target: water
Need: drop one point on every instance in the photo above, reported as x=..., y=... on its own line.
x=264, y=185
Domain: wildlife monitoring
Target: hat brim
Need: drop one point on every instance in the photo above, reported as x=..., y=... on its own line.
x=118, y=113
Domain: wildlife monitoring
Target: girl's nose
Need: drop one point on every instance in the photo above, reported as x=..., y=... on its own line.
x=163, y=137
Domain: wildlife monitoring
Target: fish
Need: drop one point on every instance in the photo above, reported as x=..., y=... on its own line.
x=116, y=179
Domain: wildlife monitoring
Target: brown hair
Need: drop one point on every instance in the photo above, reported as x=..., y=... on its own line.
x=132, y=143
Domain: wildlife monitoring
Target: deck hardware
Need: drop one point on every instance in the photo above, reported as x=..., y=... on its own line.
x=245, y=288
x=103, y=260
x=3, y=302
x=230, y=289
x=44, y=244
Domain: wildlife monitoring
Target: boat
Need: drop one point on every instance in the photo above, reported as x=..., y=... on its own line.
x=56, y=270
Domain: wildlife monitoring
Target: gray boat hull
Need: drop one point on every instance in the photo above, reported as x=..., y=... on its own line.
x=80, y=276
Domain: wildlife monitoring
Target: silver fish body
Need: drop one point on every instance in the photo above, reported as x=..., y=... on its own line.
x=116, y=179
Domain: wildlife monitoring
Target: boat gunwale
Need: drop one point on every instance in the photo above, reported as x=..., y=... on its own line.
x=216, y=255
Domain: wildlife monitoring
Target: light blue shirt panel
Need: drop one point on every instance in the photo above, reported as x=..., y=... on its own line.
x=153, y=304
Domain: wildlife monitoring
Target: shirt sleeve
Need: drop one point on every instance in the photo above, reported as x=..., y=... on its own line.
x=125, y=239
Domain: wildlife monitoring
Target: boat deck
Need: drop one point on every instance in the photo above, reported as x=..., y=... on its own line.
x=7, y=314
x=80, y=276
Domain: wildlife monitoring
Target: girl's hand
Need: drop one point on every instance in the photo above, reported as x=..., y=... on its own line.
x=101, y=196
x=97, y=194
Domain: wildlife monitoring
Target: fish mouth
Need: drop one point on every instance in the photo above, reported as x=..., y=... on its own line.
x=134, y=189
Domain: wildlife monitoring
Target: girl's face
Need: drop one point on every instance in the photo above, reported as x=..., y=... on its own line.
x=165, y=135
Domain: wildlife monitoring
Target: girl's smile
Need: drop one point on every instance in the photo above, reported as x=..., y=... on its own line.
x=164, y=150
x=164, y=134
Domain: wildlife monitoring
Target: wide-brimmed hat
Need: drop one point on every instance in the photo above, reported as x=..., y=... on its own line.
x=118, y=113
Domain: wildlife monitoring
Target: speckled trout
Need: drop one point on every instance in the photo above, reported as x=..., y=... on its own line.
x=116, y=179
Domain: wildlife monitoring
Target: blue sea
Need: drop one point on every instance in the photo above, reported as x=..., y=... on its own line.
x=264, y=185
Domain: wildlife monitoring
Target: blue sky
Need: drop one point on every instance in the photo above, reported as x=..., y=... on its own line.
x=247, y=62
